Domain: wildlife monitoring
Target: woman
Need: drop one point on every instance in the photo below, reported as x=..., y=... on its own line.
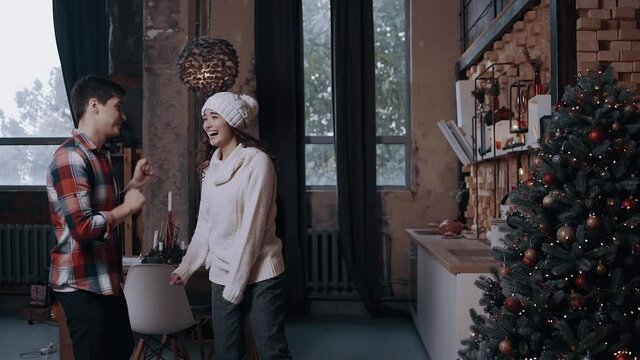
x=235, y=233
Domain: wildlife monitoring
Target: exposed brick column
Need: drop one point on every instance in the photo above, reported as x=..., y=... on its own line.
x=166, y=113
x=609, y=34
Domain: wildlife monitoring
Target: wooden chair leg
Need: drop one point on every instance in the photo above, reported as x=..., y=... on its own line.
x=138, y=351
x=163, y=343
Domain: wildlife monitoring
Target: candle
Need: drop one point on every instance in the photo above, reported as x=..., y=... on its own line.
x=169, y=202
x=161, y=246
x=155, y=239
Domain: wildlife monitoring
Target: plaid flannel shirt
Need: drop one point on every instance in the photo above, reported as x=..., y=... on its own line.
x=82, y=191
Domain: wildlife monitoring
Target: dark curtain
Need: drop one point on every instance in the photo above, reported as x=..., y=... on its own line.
x=278, y=44
x=82, y=36
x=355, y=134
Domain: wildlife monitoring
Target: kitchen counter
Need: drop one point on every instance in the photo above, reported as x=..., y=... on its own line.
x=456, y=255
x=443, y=274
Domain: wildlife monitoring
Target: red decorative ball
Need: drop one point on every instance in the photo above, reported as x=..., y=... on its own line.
x=597, y=135
x=559, y=105
x=529, y=262
x=531, y=254
x=548, y=178
x=581, y=281
x=505, y=346
x=623, y=356
x=513, y=304
x=629, y=204
x=529, y=182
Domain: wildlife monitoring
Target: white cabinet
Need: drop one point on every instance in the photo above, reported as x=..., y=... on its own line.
x=443, y=301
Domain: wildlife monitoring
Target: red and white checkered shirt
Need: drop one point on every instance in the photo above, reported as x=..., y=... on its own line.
x=82, y=191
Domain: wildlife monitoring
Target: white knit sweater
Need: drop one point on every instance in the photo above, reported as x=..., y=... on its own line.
x=235, y=232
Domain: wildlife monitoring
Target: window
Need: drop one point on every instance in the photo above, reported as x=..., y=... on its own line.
x=34, y=111
x=392, y=123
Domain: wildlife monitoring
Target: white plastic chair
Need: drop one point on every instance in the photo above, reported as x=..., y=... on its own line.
x=157, y=308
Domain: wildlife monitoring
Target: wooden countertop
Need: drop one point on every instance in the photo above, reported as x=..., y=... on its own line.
x=456, y=255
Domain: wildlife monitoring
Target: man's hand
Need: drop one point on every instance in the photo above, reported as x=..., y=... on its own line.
x=141, y=175
x=176, y=280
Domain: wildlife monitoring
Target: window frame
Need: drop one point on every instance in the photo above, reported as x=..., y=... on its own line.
x=28, y=141
x=383, y=139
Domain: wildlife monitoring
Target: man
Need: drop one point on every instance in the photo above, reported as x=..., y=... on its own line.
x=86, y=271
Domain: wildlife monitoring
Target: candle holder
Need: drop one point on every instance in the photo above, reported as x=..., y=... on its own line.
x=519, y=101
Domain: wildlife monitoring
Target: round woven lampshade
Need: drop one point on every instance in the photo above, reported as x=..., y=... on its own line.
x=208, y=65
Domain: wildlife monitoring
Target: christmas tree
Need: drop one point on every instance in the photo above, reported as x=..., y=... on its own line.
x=569, y=283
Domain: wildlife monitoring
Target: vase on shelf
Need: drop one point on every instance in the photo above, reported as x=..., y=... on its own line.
x=538, y=88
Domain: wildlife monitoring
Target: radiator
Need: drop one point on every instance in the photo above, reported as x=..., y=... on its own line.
x=24, y=253
x=327, y=272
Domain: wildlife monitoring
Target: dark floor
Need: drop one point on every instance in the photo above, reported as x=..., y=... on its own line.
x=318, y=338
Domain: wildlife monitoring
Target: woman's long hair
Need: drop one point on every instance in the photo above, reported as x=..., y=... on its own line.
x=205, y=149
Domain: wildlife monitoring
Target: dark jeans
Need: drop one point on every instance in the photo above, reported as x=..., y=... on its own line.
x=98, y=324
x=264, y=304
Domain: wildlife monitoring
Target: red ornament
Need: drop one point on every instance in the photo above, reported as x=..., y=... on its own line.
x=512, y=303
x=629, y=204
x=529, y=262
x=581, y=281
x=548, y=178
x=623, y=356
x=559, y=105
x=597, y=135
x=529, y=182
x=531, y=254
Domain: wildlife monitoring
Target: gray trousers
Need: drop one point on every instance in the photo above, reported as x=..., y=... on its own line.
x=264, y=304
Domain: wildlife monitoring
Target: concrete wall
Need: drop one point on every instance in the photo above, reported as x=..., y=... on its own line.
x=435, y=48
x=166, y=112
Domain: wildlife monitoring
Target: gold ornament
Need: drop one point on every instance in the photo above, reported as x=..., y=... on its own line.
x=504, y=270
x=593, y=222
x=566, y=234
x=548, y=200
x=505, y=346
x=601, y=269
x=575, y=301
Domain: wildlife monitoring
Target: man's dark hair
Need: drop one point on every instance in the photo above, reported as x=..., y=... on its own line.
x=92, y=86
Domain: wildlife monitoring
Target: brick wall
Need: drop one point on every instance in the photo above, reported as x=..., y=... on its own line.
x=532, y=33
x=608, y=32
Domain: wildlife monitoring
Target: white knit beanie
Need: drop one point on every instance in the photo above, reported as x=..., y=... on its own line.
x=237, y=110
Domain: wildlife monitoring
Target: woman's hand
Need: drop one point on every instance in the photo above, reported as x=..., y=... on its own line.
x=176, y=280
